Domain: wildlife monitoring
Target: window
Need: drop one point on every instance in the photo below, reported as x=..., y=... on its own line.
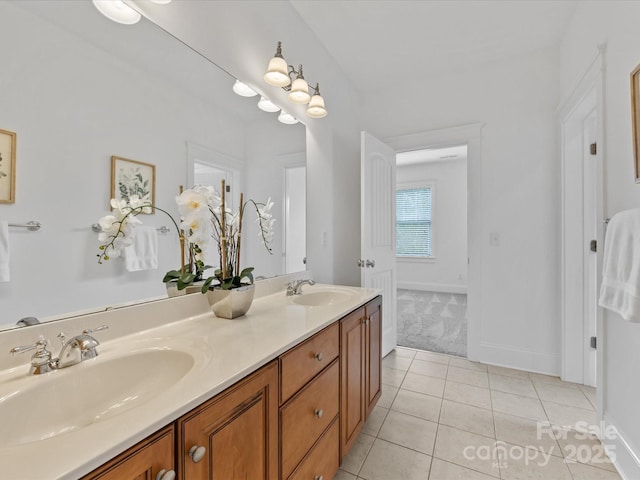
x=413, y=222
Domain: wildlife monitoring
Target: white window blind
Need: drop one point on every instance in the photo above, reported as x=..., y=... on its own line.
x=413, y=222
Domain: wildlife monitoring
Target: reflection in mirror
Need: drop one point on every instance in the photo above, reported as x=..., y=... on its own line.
x=78, y=88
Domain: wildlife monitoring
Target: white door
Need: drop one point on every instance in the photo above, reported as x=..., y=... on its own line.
x=378, y=232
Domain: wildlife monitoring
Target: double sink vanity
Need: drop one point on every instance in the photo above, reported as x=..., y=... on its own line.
x=174, y=392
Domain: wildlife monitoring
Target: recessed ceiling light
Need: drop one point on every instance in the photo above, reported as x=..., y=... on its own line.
x=117, y=11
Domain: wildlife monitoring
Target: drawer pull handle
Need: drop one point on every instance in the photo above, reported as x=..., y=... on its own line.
x=197, y=453
x=318, y=412
x=318, y=356
x=166, y=475
x=318, y=477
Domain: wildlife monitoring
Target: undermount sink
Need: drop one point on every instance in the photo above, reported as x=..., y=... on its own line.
x=321, y=298
x=75, y=397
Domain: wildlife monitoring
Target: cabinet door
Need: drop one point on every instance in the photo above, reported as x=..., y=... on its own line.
x=373, y=349
x=141, y=462
x=352, y=414
x=238, y=431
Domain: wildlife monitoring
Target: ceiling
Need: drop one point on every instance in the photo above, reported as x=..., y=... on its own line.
x=378, y=43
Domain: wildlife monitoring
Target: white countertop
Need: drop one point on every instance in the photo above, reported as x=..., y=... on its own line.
x=224, y=352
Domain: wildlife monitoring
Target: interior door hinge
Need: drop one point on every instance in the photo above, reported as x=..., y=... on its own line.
x=593, y=245
x=593, y=342
x=593, y=148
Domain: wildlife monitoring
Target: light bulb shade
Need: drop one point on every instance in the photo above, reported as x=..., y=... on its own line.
x=243, y=90
x=277, y=73
x=316, y=108
x=117, y=11
x=287, y=118
x=267, y=106
x=299, y=91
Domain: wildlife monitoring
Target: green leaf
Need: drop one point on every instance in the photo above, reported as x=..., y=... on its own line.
x=206, y=284
x=246, y=273
x=171, y=275
x=185, y=280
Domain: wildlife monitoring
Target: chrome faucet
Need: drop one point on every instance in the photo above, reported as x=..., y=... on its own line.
x=295, y=287
x=74, y=350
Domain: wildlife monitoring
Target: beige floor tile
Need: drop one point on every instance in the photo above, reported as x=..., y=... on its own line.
x=538, y=378
x=468, y=394
x=470, y=377
x=417, y=404
x=565, y=396
x=441, y=470
x=431, y=369
x=375, y=420
x=464, y=363
x=586, y=472
x=392, y=376
x=590, y=393
x=423, y=384
x=467, y=449
x=404, y=352
x=342, y=475
x=508, y=372
x=355, y=458
x=526, y=433
x=517, y=386
x=465, y=417
x=409, y=431
x=387, y=396
x=569, y=417
x=518, y=463
x=518, y=405
x=586, y=448
x=388, y=461
x=433, y=357
x=399, y=363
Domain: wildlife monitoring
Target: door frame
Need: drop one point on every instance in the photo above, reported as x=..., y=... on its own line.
x=587, y=96
x=470, y=135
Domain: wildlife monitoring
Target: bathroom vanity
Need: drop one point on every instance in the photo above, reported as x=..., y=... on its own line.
x=279, y=394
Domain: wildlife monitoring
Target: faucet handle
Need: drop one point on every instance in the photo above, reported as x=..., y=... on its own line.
x=41, y=360
x=87, y=331
x=39, y=346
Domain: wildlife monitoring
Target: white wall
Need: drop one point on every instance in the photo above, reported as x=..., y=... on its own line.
x=70, y=120
x=615, y=23
x=447, y=272
x=519, y=193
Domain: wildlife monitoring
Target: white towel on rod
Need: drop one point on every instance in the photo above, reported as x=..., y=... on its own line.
x=620, y=289
x=4, y=252
x=142, y=254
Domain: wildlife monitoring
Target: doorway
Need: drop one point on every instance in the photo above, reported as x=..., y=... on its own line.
x=431, y=249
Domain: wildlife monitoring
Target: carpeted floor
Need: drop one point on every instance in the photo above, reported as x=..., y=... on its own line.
x=433, y=321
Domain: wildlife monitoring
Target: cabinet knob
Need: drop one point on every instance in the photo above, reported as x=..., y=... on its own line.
x=166, y=475
x=197, y=453
x=318, y=412
x=318, y=356
x=318, y=477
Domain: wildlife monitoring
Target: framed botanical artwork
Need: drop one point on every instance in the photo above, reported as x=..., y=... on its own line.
x=7, y=166
x=130, y=177
x=635, y=119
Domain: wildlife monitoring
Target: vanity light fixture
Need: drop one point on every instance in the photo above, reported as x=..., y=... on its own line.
x=117, y=11
x=243, y=89
x=287, y=118
x=279, y=74
x=267, y=105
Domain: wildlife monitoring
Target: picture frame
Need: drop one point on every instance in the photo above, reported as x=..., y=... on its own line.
x=635, y=119
x=7, y=166
x=132, y=177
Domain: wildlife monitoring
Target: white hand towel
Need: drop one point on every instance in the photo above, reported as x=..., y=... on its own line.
x=142, y=254
x=4, y=252
x=620, y=289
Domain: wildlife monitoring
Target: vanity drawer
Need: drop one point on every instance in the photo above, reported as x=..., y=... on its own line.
x=306, y=416
x=302, y=363
x=323, y=460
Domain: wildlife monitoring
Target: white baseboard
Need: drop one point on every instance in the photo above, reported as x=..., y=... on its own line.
x=623, y=454
x=518, y=358
x=432, y=287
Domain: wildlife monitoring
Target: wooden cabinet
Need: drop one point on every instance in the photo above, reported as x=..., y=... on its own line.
x=234, y=436
x=360, y=357
x=143, y=461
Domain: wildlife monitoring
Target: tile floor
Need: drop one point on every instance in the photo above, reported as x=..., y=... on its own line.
x=442, y=417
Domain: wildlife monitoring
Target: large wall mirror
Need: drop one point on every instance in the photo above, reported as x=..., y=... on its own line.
x=77, y=89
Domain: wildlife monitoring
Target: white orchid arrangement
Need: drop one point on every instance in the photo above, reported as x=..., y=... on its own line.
x=203, y=214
